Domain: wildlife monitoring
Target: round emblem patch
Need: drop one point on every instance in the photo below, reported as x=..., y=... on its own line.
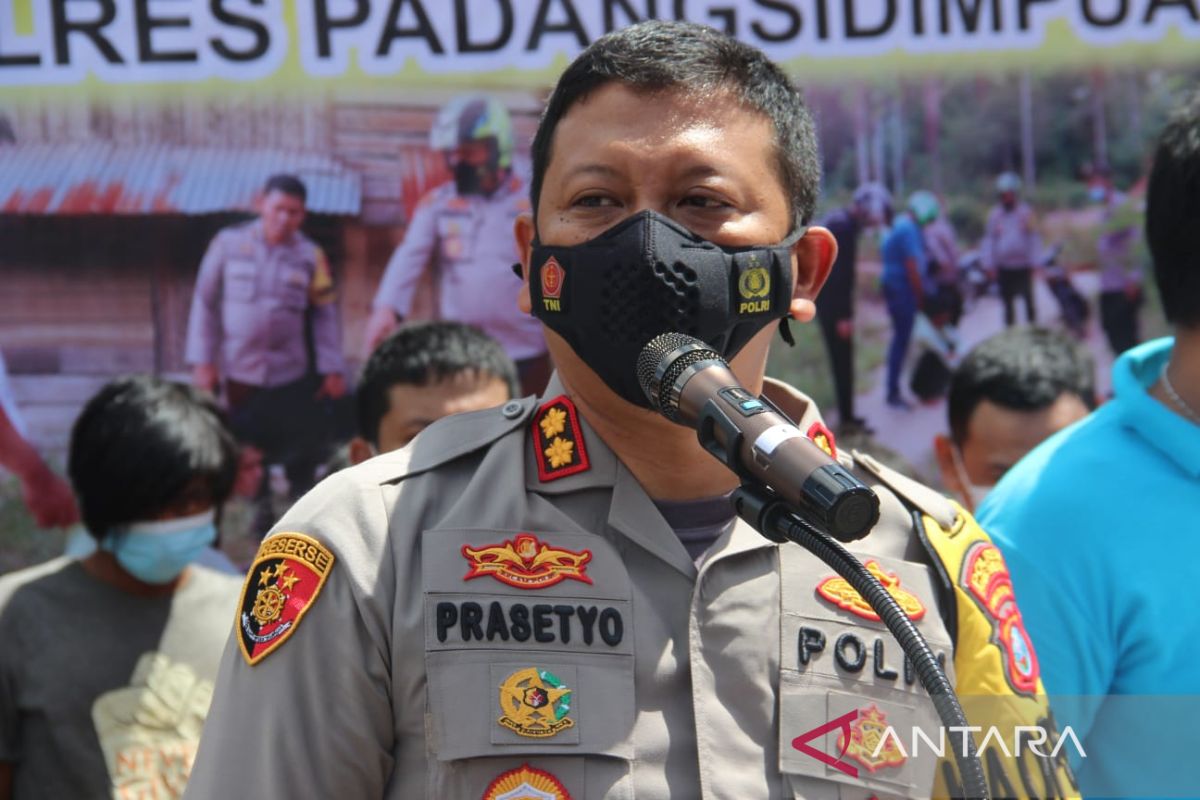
x=526, y=783
x=535, y=703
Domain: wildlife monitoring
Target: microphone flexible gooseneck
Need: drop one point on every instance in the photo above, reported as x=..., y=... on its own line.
x=793, y=491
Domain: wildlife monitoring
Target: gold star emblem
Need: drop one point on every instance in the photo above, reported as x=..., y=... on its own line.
x=280, y=569
x=264, y=577
x=554, y=423
x=560, y=452
x=288, y=581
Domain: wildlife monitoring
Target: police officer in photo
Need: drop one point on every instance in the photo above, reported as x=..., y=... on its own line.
x=554, y=599
x=462, y=230
x=265, y=296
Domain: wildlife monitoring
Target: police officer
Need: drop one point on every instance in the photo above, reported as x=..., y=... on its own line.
x=553, y=599
x=258, y=285
x=463, y=231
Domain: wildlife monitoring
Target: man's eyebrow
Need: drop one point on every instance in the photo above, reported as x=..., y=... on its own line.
x=593, y=168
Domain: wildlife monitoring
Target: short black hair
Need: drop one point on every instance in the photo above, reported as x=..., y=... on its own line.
x=659, y=55
x=1173, y=214
x=288, y=184
x=139, y=444
x=423, y=353
x=1022, y=369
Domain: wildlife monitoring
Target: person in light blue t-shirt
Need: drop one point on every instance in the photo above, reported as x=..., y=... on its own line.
x=1099, y=526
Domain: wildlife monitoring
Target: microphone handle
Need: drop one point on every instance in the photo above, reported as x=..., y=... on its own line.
x=763, y=446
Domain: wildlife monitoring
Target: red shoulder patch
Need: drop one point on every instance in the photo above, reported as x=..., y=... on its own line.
x=281, y=586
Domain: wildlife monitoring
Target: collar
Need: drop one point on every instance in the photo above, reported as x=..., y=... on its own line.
x=260, y=235
x=1133, y=374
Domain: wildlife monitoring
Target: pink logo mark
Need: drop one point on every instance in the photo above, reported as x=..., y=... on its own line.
x=843, y=723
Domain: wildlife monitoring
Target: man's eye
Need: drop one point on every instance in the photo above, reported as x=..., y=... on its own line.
x=595, y=201
x=703, y=201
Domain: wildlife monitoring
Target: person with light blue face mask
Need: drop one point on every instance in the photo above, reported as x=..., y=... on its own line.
x=109, y=658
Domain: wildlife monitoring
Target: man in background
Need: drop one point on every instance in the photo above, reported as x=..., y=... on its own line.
x=424, y=372
x=1099, y=526
x=1011, y=247
x=463, y=231
x=1011, y=392
x=263, y=291
x=835, y=304
x=107, y=662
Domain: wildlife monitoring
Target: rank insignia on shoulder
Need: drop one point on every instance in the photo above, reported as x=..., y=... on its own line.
x=526, y=562
x=822, y=437
x=985, y=577
x=281, y=585
x=558, y=445
x=526, y=783
x=838, y=591
x=869, y=743
x=535, y=703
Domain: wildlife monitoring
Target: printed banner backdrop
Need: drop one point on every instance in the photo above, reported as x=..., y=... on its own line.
x=132, y=131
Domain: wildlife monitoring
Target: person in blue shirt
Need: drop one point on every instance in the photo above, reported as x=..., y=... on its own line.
x=903, y=265
x=1099, y=526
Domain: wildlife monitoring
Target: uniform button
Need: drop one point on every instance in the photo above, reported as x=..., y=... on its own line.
x=512, y=409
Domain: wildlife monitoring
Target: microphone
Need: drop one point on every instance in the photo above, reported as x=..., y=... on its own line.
x=690, y=384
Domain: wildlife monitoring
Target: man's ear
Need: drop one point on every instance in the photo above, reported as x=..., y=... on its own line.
x=812, y=259
x=360, y=450
x=943, y=451
x=523, y=232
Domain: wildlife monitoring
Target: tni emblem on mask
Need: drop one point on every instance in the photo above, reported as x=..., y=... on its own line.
x=535, y=703
x=754, y=286
x=527, y=563
x=282, y=584
x=552, y=275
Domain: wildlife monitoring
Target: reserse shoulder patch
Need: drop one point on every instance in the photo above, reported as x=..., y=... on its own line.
x=281, y=585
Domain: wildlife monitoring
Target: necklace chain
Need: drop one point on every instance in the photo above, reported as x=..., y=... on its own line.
x=1179, y=401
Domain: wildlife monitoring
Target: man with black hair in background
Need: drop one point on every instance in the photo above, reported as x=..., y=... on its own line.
x=421, y=373
x=107, y=663
x=1010, y=393
x=262, y=289
x=1099, y=525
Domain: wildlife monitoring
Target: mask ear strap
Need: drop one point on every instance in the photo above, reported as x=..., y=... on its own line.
x=785, y=332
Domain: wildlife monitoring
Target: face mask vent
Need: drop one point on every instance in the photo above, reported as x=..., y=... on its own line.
x=639, y=304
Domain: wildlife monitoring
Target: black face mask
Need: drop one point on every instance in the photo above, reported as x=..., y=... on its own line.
x=468, y=178
x=647, y=275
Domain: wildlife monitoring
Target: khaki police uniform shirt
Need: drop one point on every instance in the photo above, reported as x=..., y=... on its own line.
x=250, y=305
x=467, y=241
x=499, y=610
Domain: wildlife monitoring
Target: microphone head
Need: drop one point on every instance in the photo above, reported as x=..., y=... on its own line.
x=663, y=360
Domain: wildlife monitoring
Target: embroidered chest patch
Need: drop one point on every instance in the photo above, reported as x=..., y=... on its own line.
x=838, y=591
x=535, y=703
x=526, y=783
x=280, y=588
x=526, y=562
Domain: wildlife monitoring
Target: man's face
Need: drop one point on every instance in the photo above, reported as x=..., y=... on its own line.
x=1008, y=199
x=412, y=408
x=998, y=437
x=707, y=163
x=282, y=216
x=477, y=154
